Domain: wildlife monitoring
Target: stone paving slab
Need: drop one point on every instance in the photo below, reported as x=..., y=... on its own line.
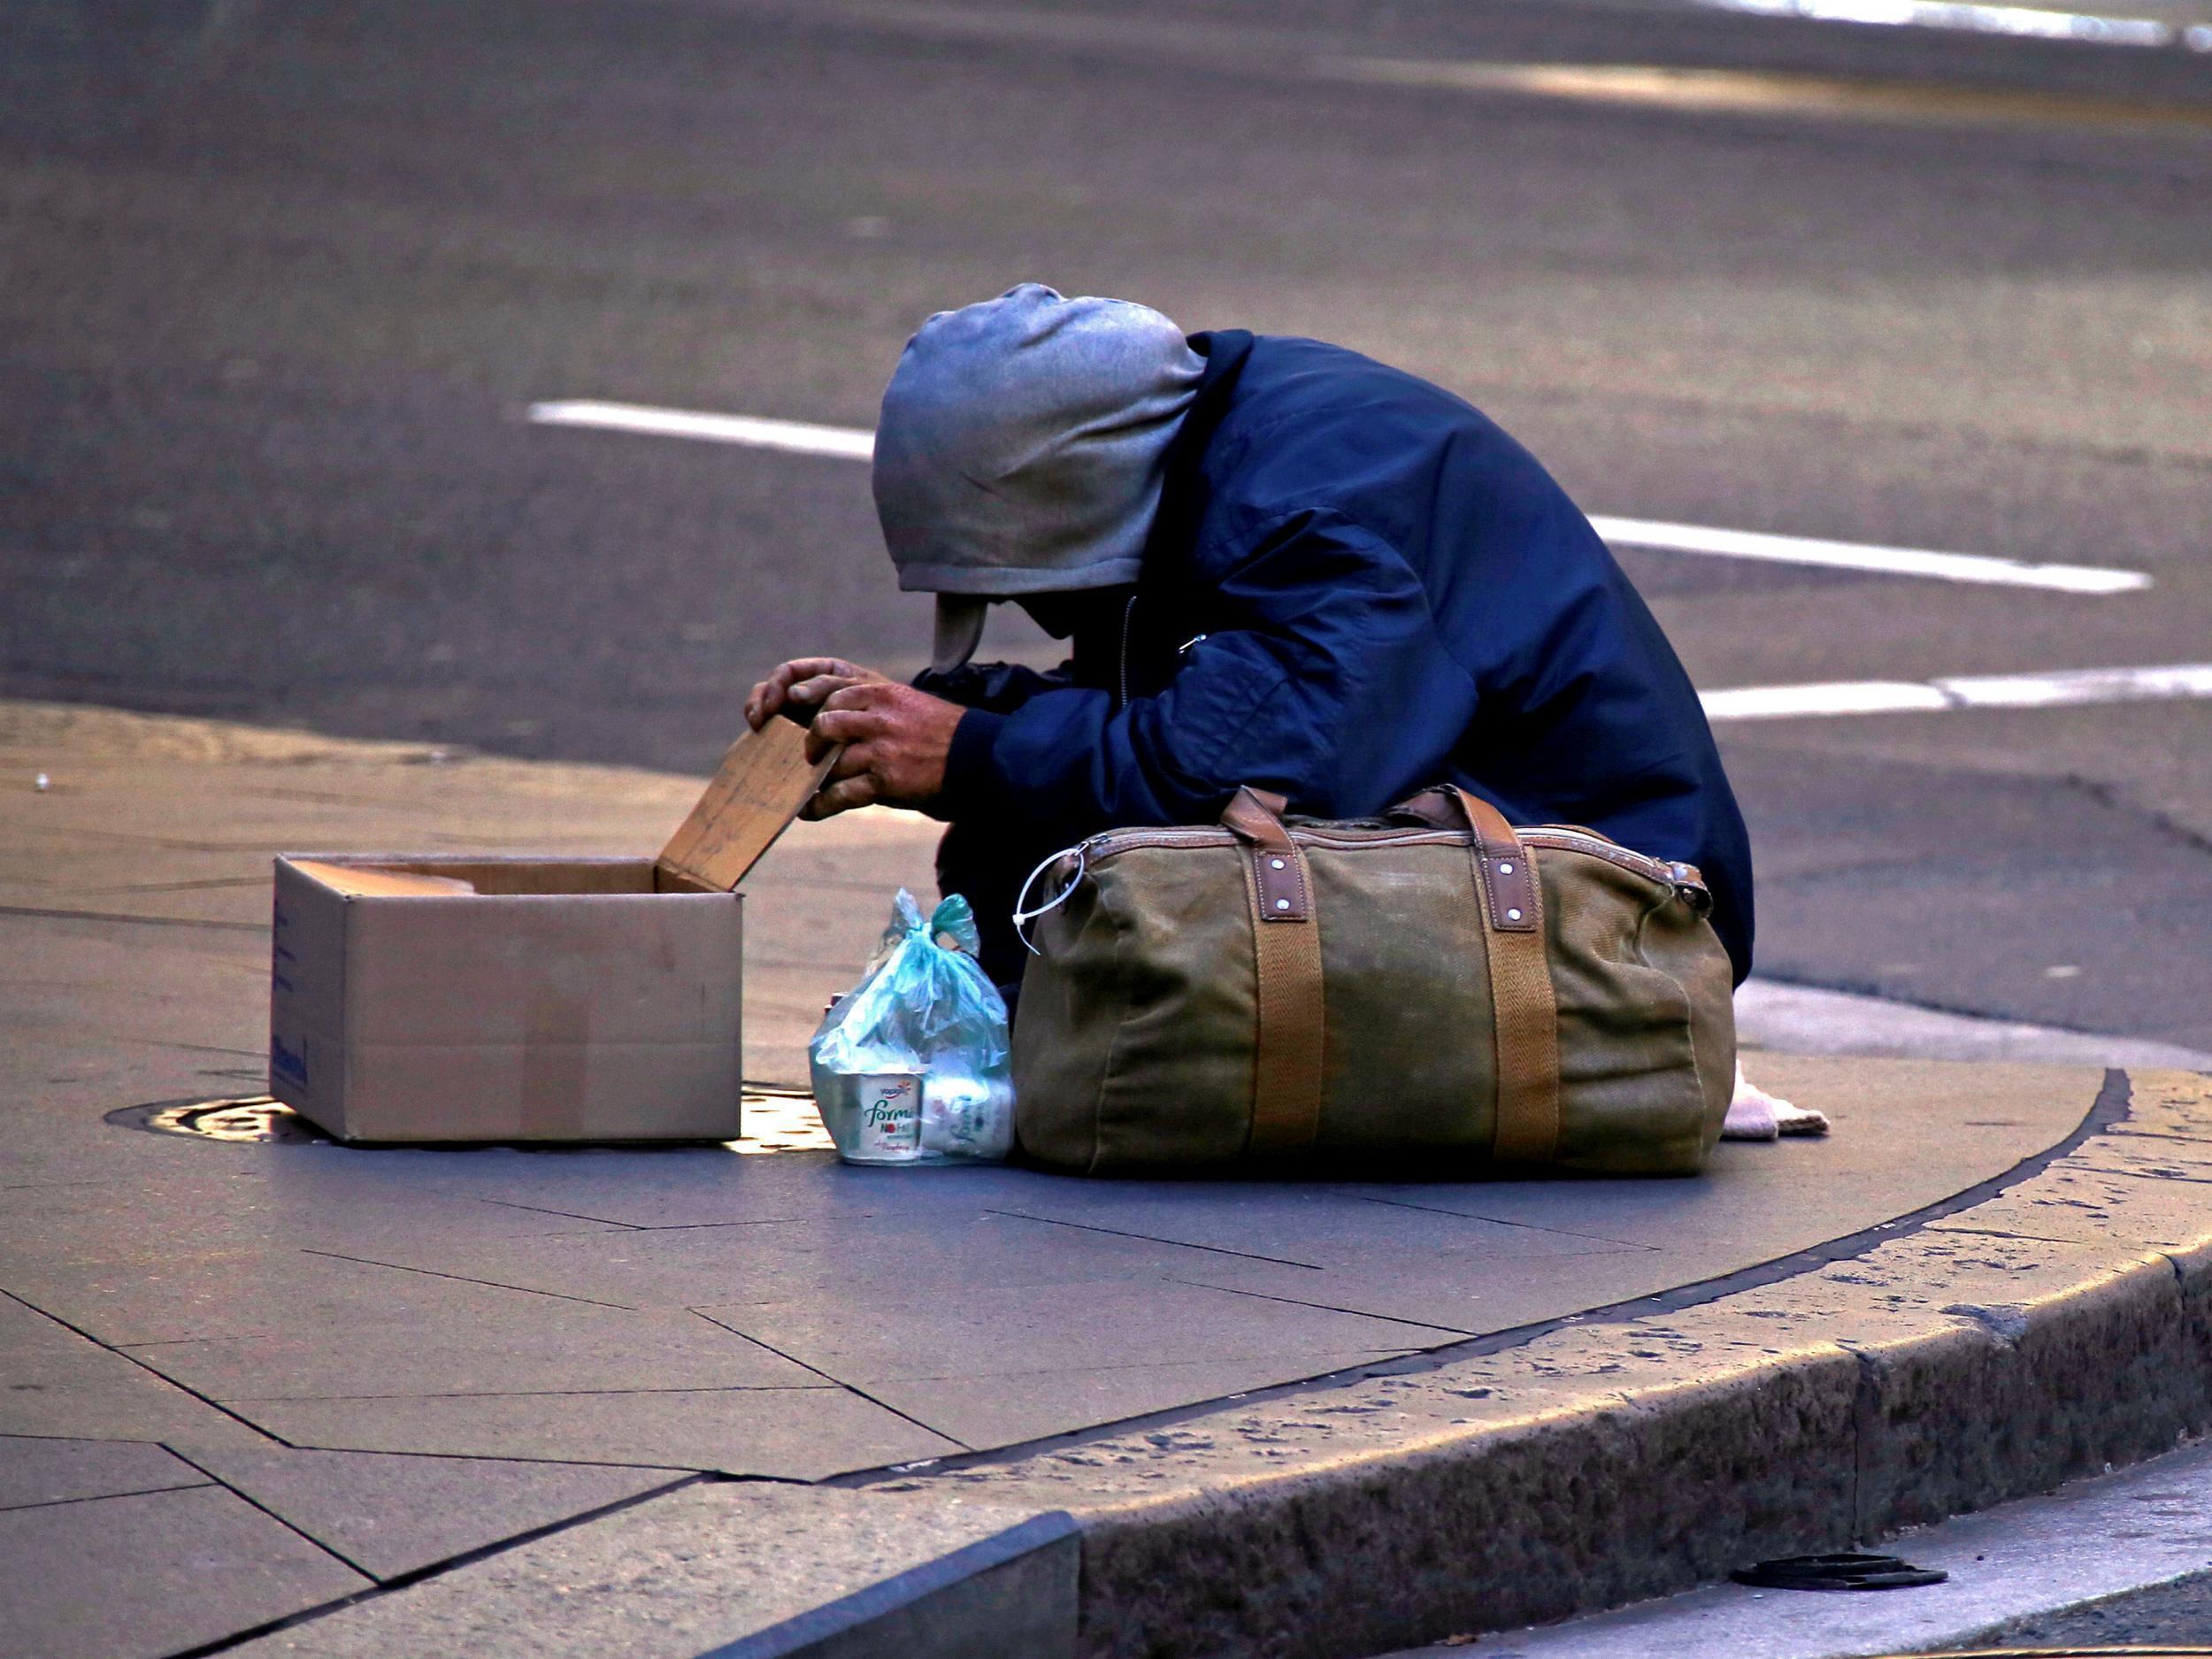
x=387, y=1515
x=520, y=1345
x=684, y=1574
x=153, y=1573
x=39, y=1471
x=54, y=1382
x=767, y=1434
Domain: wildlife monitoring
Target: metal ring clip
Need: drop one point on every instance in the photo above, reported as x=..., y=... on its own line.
x=1023, y=918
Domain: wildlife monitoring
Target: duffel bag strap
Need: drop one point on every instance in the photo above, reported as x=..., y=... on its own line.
x=1287, y=957
x=1526, y=1014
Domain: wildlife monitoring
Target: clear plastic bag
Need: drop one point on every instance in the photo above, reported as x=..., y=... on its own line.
x=912, y=1066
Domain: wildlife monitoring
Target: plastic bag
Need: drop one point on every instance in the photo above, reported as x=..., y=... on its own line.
x=912, y=1066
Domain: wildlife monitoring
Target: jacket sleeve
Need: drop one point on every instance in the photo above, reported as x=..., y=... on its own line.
x=1320, y=642
x=1000, y=687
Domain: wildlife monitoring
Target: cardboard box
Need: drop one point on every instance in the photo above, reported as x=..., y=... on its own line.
x=498, y=998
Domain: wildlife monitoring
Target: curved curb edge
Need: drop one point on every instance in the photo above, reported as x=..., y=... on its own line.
x=2060, y=1328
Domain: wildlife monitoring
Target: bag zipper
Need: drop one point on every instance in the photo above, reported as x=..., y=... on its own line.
x=1128, y=612
x=1344, y=837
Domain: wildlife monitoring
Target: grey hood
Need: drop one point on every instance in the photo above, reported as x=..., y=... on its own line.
x=1021, y=450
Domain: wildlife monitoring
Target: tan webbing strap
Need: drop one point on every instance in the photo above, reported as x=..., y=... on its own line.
x=1525, y=1015
x=1286, y=1073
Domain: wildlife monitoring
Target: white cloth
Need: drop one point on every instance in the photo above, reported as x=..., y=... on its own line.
x=1755, y=1115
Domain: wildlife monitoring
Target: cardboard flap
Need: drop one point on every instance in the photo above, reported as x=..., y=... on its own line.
x=765, y=779
x=357, y=881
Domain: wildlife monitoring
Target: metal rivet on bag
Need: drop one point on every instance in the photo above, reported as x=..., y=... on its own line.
x=1513, y=916
x=1282, y=905
x=1505, y=870
x=1277, y=862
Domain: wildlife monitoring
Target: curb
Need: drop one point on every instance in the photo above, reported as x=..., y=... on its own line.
x=2061, y=1326
x=1011, y=1595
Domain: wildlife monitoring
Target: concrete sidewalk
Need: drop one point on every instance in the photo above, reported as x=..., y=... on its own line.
x=746, y=1399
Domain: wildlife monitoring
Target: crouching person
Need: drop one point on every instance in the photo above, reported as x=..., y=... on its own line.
x=1277, y=562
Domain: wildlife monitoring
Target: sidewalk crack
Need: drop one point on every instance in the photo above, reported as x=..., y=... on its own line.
x=839, y=1382
x=540, y=1210
x=1500, y=1221
x=102, y=1497
x=1326, y=1307
x=163, y=1376
x=248, y=1498
x=432, y=1273
x=378, y=1588
x=1148, y=1238
x=528, y=1393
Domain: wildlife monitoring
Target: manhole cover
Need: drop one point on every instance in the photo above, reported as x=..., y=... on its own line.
x=254, y=1119
x=776, y=1120
x=782, y=1120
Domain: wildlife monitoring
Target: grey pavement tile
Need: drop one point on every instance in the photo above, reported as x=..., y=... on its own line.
x=265, y=1202
x=1315, y=1226
x=684, y=1187
x=34, y=1471
x=1468, y=1291
x=390, y=1514
x=1906, y=1134
x=124, y=1577
x=919, y=1252
x=1000, y=1411
x=55, y=1383
x=998, y=1364
x=686, y=1573
x=168, y=1297
x=788, y=1433
x=521, y=1345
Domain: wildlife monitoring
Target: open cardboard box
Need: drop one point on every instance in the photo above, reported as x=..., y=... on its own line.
x=441, y=997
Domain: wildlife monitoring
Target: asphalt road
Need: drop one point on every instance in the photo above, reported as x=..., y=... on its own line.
x=278, y=283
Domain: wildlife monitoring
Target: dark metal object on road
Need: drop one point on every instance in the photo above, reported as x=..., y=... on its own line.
x=1846, y=1570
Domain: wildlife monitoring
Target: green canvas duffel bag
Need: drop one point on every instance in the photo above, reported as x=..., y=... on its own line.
x=1432, y=989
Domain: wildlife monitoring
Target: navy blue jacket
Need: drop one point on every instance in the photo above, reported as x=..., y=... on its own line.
x=1392, y=593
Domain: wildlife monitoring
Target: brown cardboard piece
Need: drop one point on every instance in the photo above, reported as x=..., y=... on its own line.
x=478, y=997
x=359, y=880
x=749, y=803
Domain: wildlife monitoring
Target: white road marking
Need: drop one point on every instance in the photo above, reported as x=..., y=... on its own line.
x=1855, y=556
x=2033, y=22
x=800, y=437
x=1783, y=93
x=1966, y=691
x=797, y=436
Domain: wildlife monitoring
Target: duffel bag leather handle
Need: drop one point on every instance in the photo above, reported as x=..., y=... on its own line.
x=1255, y=817
x=1525, y=1013
x=1509, y=875
x=1287, y=1057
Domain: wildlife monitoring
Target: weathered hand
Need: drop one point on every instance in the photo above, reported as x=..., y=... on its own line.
x=802, y=685
x=895, y=741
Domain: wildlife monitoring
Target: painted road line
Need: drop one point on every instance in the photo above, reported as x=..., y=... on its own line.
x=800, y=437
x=1970, y=691
x=1776, y=92
x=2027, y=22
x=1892, y=561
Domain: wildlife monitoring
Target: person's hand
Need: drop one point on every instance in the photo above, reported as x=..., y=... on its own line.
x=895, y=740
x=802, y=686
